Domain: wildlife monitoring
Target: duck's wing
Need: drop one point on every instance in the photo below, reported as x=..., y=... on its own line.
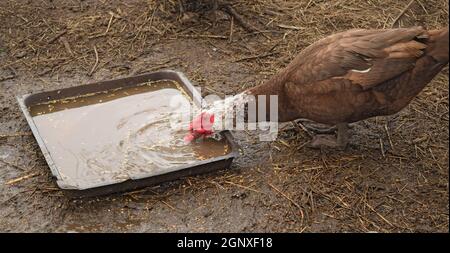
x=364, y=57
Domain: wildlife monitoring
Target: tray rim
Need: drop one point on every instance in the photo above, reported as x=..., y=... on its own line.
x=184, y=81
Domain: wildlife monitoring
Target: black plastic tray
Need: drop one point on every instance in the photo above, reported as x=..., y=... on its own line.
x=209, y=165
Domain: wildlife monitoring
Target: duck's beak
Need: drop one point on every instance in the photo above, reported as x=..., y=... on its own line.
x=189, y=138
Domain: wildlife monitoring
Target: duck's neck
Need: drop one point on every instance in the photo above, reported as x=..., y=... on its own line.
x=263, y=103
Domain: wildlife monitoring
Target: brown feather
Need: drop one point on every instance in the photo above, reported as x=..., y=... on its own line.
x=357, y=74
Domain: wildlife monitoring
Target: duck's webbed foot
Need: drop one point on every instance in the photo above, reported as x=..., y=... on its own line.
x=340, y=142
x=326, y=141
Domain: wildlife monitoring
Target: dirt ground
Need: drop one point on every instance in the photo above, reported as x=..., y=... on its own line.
x=392, y=178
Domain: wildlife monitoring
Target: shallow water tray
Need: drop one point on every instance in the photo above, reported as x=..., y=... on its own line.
x=134, y=180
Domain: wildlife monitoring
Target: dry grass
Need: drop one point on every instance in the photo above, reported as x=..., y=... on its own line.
x=49, y=44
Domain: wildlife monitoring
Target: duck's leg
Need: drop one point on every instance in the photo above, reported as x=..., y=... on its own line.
x=342, y=135
x=339, y=142
x=311, y=126
x=227, y=8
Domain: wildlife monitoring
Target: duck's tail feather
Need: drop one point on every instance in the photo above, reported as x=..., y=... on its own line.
x=438, y=45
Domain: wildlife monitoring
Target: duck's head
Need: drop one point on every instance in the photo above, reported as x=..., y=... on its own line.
x=201, y=126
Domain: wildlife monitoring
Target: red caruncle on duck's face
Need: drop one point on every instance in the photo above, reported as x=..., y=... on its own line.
x=202, y=125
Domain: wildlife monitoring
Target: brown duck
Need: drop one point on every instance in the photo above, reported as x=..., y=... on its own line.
x=348, y=77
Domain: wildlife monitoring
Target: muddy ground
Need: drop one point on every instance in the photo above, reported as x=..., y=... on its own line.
x=392, y=178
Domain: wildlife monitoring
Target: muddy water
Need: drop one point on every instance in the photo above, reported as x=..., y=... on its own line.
x=109, y=137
